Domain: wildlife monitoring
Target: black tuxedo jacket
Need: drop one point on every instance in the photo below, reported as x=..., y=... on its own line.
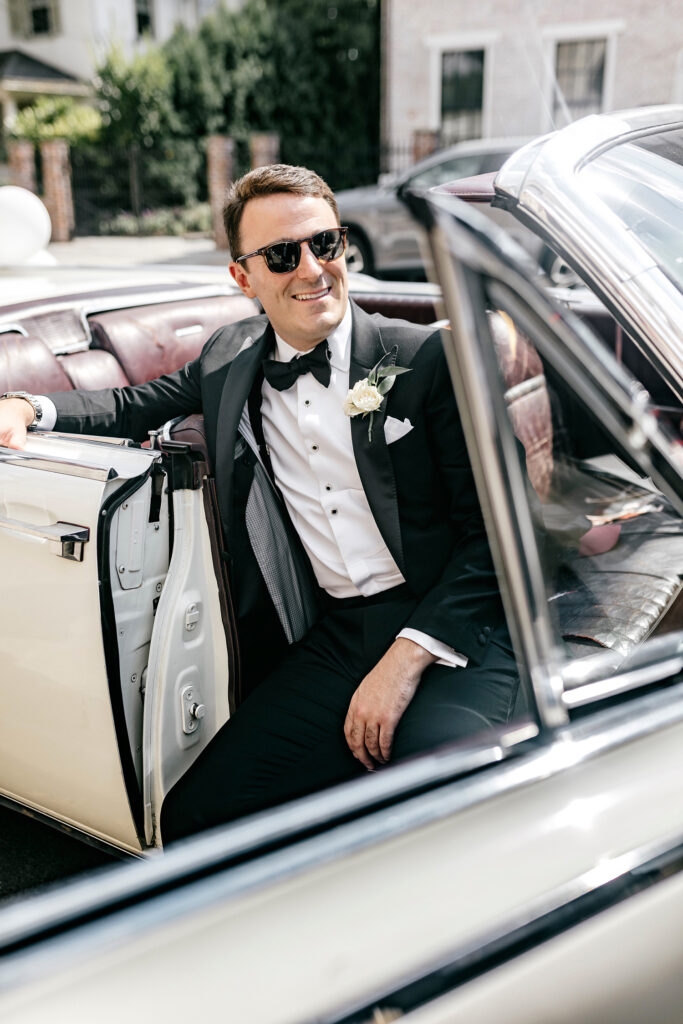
x=420, y=487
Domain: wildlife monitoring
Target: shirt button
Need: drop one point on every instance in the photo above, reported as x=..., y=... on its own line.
x=328, y=487
x=307, y=401
x=333, y=511
x=314, y=447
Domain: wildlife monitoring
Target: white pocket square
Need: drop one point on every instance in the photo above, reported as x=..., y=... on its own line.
x=395, y=429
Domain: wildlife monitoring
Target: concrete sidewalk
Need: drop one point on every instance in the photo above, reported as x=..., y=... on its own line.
x=118, y=250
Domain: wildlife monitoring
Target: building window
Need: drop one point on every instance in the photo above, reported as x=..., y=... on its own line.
x=579, y=78
x=33, y=18
x=144, y=17
x=462, y=95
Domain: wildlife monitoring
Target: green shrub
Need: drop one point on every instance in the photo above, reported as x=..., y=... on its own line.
x=163, y=221
x=58, y=117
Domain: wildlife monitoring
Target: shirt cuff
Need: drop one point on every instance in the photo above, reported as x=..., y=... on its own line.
x=49, y=417
x=445, y=654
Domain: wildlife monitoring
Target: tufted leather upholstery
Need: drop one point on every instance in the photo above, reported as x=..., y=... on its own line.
x=528, y=401
x=151, y=340
x=92, y=370
x=417, y=309
x=26, y=364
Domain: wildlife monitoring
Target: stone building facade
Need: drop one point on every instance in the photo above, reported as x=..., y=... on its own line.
x=496, y=68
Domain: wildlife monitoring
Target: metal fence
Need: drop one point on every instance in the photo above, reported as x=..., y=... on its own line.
x=133, y=181
x=125, y=190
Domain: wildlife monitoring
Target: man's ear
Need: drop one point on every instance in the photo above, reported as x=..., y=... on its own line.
x=241, y=277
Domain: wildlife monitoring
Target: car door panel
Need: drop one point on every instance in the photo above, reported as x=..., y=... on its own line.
x=59, y=748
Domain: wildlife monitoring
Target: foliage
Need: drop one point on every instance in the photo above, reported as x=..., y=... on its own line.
x=165, y=221
x=57, y=118
x=306, y=69
x=134, y=98
x=327, y=110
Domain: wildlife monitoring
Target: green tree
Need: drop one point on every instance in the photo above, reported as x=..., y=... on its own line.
x=58, y=117
x=307, y=69
x=223, y=75
x=141, y=126
x=327, y=101
x=135, y=98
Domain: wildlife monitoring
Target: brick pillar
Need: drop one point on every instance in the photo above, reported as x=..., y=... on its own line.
x=22, y=163
x=264, y=148
x=425, y=142
x=57, y=194
x=219, y=157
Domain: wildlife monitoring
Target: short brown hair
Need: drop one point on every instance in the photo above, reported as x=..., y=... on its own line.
x=269, y=181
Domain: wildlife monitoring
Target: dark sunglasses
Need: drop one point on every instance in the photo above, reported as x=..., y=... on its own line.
x=283, y=257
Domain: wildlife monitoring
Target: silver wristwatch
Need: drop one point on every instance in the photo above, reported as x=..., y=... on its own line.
x=32, y=401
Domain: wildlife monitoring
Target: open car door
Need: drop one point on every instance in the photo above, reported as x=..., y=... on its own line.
x=114, y=659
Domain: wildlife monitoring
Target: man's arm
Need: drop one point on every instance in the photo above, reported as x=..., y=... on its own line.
x=379, y=702
x=130, y=411
x=460, y=607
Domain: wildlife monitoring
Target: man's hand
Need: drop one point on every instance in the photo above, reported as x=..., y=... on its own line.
x=380, y=700
x=16, y=414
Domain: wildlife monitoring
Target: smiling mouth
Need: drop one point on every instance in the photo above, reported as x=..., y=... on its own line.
x=314, y=296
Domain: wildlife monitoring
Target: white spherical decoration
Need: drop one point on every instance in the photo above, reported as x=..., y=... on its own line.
x=25, y=226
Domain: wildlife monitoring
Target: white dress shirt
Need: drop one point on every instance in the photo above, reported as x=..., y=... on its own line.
x=308, y=437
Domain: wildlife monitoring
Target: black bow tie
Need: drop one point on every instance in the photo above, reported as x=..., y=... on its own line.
x=282, y=375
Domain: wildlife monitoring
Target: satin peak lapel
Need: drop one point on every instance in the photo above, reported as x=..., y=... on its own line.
x=372, y=457
x=242, y=373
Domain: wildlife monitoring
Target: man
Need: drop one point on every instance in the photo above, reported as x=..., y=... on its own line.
x=336, y=443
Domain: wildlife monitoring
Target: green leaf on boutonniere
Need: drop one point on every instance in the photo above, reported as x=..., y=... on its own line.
x=381, y=379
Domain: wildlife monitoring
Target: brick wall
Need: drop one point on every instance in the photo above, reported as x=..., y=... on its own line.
x=22, y=164
x=57, y=194
x=219, y=159
x=264, y=148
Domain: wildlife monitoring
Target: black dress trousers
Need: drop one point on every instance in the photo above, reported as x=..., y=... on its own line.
x=287, y=738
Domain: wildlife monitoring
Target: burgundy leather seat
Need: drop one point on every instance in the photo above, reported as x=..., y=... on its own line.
x=152, y=340
x=92, y=370
x=528, y=401
x=417, y=309
x=26, y=364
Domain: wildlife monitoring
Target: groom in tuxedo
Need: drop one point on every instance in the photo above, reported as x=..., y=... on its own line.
x=366, y=597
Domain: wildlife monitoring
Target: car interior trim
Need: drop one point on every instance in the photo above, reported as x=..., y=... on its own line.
x=111, y=649
x=602, y=689
x=13, y=328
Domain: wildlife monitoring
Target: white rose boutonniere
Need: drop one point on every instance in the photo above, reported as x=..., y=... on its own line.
x=367, y=395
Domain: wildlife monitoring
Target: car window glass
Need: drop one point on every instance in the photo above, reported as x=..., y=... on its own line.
x=449, y=170
x=610, y=543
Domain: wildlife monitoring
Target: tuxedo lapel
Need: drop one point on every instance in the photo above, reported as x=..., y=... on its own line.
x=242, y=374
x=372, y=456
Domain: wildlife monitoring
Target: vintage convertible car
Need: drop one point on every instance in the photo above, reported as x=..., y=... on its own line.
x=530, y=873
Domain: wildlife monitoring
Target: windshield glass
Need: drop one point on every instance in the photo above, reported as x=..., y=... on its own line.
x=642, y=184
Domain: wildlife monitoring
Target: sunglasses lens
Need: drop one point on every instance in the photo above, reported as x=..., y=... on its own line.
x=328, y=245
x=283, y=257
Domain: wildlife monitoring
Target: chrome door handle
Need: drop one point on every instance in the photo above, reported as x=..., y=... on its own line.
x=66, y=539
